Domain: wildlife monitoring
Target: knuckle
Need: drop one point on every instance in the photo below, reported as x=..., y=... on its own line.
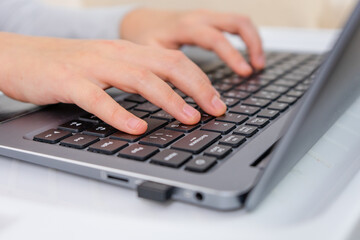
x=245, y=19
x=141, y=77
x=175, y=57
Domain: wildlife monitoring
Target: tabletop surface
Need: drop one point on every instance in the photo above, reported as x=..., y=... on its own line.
x=318, y=198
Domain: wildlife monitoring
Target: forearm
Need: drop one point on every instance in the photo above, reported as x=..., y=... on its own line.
x=33, y=18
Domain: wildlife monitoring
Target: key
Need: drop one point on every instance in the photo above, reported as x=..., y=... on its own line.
x=232, y=118
x=247, y=110
x=232, y=140
x=189, y=100
x=230, y=102
x=248, y=88
x=52, y=136
x=294, y=93
x=163, y=115
x=270, y=114
x=79, y=141
x=90, y=118
x=178, y=126
x=147, y=107
x=302, y=87
x=218, y=151
x=107, y=146
x=278, y=106
x=220, y=127
x=138, y=152
x=236, y=94
x=258, y=81
x=127, y=105
x=181, y=94
x=196, y=141
x=140, y=114
x=171, y=158
x=153, y=124
x=286, y=99
x=136, y=98
x=235, y=80
x=205, y=117
x=256, y=102
x=222, y=87
x=277, y=89
x=285, y=83
x=258, y=122
x=246, y=131
x=101, y=130
x=267, y=95
x=74, y=126
x=161, y=138
x=200, y=164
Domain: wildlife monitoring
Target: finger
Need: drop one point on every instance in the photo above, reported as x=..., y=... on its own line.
x=174, y=66
x=154, y=89
x=93, y=99
x=216, y=41
x=245, y=28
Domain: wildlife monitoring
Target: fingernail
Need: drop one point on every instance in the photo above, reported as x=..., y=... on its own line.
x=134, y=123
x=261, y=60
x=246, y=68
x=189, y=111
x=217, y=103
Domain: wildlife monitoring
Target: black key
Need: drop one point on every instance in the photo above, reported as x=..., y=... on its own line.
x=90, y=118
x=136, y=98
x=258, y=122
x=222, y=87
x=140, y=114
x=181, y=94
x=127, y=105
x=161, y=138
x=285, y=83
x=138, y=152
x=52, y=136
x=246, y=131
x=218, y=151
x=232, y=140
x=256, y=102
x=278, y=106
x=247, y=110
x=147, y=107
x=189, y=100
x=235, y=80
x=250, y=88
x=277, y=89
x=196, y=141
x=294, y=93
x=163, y=115
x=200, y=164
x=258, y=81
x=74, y=126
x=205, y=117
x=180, y=127
x=220, y=127
x=232, y=118
x=230, y=102
x=270, y=114
x=107, y=146
x=171, y=158
x=267, y=95
x=236, y=94
x=153, y=124
x=101, y=130
x=302, y=87
x=79, y=141
x=287, y=99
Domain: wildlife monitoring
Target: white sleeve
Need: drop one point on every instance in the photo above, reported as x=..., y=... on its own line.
x=30, y=17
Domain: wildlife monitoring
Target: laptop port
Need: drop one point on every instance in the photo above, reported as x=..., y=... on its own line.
x=117, y=178
x=199, y=196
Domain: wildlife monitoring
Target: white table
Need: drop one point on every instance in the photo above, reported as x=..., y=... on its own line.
x=42, y=203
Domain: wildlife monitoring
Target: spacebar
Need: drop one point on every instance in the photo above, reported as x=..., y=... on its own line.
x=196, y=141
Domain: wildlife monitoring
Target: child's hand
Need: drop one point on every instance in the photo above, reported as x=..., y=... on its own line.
x=50, y=70
x=202, y=27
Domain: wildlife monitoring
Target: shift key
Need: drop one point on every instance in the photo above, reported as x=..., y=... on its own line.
x=196, y=141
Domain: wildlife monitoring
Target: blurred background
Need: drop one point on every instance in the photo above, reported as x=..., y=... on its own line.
x=284, y=13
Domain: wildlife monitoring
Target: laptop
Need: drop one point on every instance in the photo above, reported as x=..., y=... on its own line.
x=274, y=117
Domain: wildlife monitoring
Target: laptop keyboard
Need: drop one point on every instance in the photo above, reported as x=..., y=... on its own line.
x=253, y=103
